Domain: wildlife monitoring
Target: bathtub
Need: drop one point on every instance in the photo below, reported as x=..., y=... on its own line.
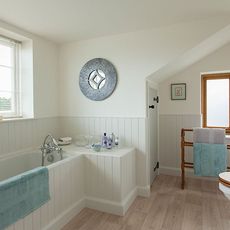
x=66, y=184
x=23, y=161
x=105, y=181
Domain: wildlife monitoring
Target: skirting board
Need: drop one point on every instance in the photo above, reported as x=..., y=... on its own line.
x=143, y=191
x=66, y=216
x=177, y=172
x=104, y=205
x=117, y=208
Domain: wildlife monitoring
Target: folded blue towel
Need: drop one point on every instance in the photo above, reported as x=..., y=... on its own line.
x=209, y=159
x=22, y=194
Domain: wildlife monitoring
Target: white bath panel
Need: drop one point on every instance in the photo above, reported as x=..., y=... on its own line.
x=50, y=204
x=19, y=225
x=11, y=227
x=44, y=215
x=28, y=222
x=36, y=219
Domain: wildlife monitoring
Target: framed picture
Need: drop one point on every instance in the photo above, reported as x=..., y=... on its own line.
x=178, y=91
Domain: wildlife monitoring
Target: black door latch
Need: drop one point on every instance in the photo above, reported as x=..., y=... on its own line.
x=151, y=106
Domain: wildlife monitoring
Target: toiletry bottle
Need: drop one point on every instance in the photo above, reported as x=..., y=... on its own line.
x=109, y=143
x=112, y=137
x=116, y=141
x=104, y=141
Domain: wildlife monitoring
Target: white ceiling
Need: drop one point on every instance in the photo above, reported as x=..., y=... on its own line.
x=71, y=20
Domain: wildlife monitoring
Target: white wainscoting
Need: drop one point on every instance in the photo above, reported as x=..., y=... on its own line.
x=66, y=180
x=170, y=137
x=169, y=150
x=103, y=182
x=131, y=132
x=23, y=134
x=110, y=183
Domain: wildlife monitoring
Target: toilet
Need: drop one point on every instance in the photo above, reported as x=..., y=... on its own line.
x=224, y=183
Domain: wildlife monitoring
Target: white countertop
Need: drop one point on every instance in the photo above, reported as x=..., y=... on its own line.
x=71, y=150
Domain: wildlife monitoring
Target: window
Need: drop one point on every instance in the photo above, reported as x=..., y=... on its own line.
x=9, y=77
x=215, y=100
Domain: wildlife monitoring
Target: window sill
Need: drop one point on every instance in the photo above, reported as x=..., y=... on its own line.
x=5, y=120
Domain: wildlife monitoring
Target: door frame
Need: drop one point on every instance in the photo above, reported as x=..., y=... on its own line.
x=154, y=86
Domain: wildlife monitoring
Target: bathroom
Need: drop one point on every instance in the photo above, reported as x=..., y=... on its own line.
x=148, y=58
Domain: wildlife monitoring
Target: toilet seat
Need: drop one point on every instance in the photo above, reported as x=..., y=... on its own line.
x=224, y=183
x=224, y=178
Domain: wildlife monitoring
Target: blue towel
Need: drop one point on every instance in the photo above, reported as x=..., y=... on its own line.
x=22, y=194
x=209, y=159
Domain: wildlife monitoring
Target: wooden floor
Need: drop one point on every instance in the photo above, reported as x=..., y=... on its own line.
x=200, y=206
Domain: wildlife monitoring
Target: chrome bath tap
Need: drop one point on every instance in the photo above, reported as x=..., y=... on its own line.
x=50, y=145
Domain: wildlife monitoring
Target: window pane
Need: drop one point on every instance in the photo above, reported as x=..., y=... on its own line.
x=5, y=102
x=5, y=79
x=5, y=89
x=218, y=102
x=6, y=56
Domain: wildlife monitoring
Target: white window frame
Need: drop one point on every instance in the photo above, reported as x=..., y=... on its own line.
x=16, y=84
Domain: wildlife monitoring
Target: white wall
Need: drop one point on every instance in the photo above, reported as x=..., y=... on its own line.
x=175, y=115
x=215, y=62
x=135, y=56
x=45, y=71
x=45, y=78
x=25, y=134
x=131, y=132
x=22, y=134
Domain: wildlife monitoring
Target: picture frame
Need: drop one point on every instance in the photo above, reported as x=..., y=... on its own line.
x=178, y=91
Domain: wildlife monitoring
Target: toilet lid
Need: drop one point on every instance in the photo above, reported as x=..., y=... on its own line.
x=224, y=178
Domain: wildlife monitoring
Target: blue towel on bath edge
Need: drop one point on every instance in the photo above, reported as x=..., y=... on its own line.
x=22, y=194
x=209, y=159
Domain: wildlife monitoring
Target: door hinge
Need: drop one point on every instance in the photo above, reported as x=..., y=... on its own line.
x=157, y=166
x=156, y=99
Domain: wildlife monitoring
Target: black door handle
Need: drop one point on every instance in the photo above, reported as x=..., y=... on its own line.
x=151, y=106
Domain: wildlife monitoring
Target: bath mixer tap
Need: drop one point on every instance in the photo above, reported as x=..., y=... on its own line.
x=50, y=145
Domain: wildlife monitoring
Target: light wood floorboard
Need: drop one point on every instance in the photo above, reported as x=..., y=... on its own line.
x=201, y=206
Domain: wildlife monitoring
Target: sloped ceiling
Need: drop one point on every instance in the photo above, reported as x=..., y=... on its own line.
x=72, y=20
x=201, y=50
